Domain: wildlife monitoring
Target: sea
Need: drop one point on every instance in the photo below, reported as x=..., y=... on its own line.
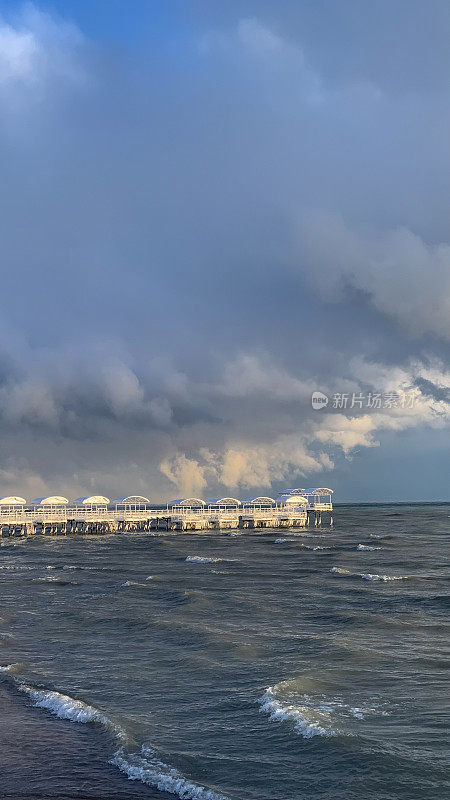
x=303, y=664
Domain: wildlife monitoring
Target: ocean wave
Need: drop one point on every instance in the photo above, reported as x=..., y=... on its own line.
x=369, y=576
x=55, y=580
x=127, y=584
x=367, y=547
x=317, y=715
x=308, y=721
x=318, y=547
x=202, y=559
x=66, y=707
x=9, y=667
x=278, y=541
x=148, y=768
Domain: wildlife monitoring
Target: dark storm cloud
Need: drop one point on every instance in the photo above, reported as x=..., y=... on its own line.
x=194, y=241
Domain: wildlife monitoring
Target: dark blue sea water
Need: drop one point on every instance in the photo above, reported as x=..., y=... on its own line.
x=306, y=665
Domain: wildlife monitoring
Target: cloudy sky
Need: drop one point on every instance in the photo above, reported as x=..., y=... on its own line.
x=210, y=210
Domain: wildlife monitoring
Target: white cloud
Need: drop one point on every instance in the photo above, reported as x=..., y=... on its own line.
x=37, y=48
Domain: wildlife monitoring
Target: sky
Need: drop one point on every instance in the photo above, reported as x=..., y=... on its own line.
x=208, y=212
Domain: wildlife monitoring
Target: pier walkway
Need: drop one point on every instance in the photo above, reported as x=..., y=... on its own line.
x=97, y=514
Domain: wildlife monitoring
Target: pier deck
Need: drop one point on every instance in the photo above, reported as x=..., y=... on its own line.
x=96, y=514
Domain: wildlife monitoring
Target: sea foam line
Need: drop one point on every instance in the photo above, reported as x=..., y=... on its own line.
x=147, y=767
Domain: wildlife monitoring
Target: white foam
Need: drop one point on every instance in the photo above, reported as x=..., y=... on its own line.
x=66, y=707
x=368, y=576
x=367, y=547
x=278, y=541
x=203, y=559
x=146, y=767
x=308, y=721
x=132, y=583
x=318, y=547
x=8, y=667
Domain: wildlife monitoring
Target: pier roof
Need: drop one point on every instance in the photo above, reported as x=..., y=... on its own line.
x=292, y=498
x=224, y=501
x=318, y=491
x=92, y=500
x=262, y=501
x=133, y=499
x=52, y=500
x=12, y=501
x=187, y=501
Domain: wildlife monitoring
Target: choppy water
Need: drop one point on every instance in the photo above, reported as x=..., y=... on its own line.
x=274, y=666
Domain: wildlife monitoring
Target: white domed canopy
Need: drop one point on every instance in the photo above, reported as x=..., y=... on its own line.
x=52, y=500
x=187, y=501
x=12, y=501
x=318, y=491
x=292, y=499
x=224, y=501
x=92, y=500
x=260, y=501
x=131, y=499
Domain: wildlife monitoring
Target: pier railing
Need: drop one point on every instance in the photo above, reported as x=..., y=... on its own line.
x=102, y=518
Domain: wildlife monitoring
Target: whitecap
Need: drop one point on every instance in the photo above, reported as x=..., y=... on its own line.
x=367, y=547
x=278, y=541
x=148, y=768
x=318, y=547
x=63, y=706
x=126, y=584
x=368, y=576
x=203, y=559
x=308, y=721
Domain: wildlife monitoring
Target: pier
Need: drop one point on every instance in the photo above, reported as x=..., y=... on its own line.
x=96, y=514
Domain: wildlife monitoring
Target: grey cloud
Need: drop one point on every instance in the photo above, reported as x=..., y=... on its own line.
x=167, y=314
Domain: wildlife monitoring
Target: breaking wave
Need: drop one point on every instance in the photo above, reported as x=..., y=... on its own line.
x=144, y=766
x=318, y=547
x=66, y=707
x=203, y=559
x=278, y=541
x=317, y=715
x=368, y=576
x=367, y=547
x=147, y=767
x=307, y=720
x=126, y=584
